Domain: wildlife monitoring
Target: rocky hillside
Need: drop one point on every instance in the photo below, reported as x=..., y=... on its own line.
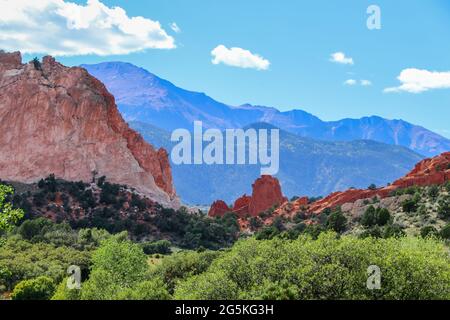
x=61, y=120
x=116, y=208
x=417, y=203
x=144, y=97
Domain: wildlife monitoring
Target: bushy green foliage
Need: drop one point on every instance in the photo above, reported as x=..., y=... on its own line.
x=60, y=234
x=428, y=231
x=120, y=271
x=336, y=221
x=409, y=205
x=161, y=247
x=444, y=207
x=9, y=216
x=182, y=265
x=375, y=216
x=25, y=260
x=63, y=292
x=445, y=232
x=41, y=288
x=198, y=230
x=328, y=268
x=147, y=290
x=433, y=191
x=447, y=185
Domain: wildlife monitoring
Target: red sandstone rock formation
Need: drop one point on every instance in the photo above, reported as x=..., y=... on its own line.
x=266, y=194
x=218, y=209
x=241, y=205
x=55, y=119
x=427, y=172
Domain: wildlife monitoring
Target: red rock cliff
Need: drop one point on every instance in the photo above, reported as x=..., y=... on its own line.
x=55, y=119
x=266, y=193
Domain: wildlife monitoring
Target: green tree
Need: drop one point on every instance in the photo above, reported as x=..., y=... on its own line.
x=330, y=267
x=433, y=191
x=445, y=232
x=428, y=231
x=409, y=205
x=383, y=216
x=444, y=207
x=368, y=218
x=64, y=293
x=41, y=288
x=337, y=221
x=154, y=289
x=117, y=265
x=8, y=215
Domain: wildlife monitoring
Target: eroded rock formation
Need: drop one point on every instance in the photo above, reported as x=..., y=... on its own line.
x=61, y=120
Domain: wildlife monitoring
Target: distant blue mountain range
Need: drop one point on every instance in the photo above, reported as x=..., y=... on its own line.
x=142, y=96
x=316, y=157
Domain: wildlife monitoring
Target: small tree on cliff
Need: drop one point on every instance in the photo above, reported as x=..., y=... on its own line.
x=37, y=64
x=8, y=215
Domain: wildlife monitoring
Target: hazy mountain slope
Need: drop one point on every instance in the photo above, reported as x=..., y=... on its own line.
x=144, y=97
x=307, y=167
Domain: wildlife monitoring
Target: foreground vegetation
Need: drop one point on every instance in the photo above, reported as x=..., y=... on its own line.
x=287, y=260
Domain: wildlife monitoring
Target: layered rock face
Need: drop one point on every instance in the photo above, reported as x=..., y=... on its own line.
x=60, y=120
x=266, y=194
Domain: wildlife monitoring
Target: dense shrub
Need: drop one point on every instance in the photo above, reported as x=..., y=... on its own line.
x=337, y=222
x=328, y=268
x=378, y=216
x=26, y=260
x=444, y=207
x=445, y=232
x=409, y=205
x=41, y=288
x=182, y=265
x=428, y=231
x=161, y=247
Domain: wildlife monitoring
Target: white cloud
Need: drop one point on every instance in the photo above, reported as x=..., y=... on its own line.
x=60, y=28
x=238, y=57
x=175, y=28
x=350, y=82
x=417, y=81
x=340, y=57
x=353, y=82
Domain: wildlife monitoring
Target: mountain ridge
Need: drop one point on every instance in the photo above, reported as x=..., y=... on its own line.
x=145, y=97
x=307, y=166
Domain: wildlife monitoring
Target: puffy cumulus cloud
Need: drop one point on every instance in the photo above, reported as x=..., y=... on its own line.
x=340, y=57
x=366, y=83
x=238, y=57
x=62, y=28
x=417, y=81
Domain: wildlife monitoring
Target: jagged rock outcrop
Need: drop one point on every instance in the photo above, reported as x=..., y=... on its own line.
x=218, y=209
x=266, y=194
x=241, y=205
x=60, y=120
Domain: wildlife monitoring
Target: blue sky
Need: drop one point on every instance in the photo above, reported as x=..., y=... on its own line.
x=298, y=37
